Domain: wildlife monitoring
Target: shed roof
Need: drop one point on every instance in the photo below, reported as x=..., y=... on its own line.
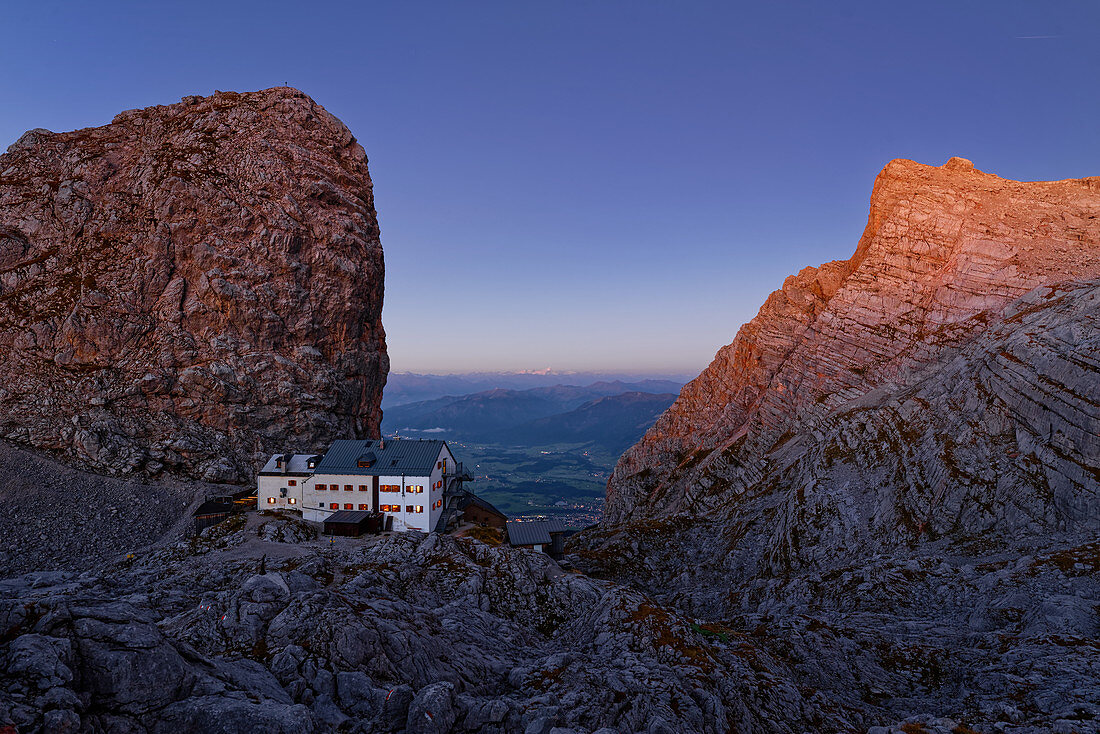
x=554, y=525
x=473, y=499
x=392, y=457
x=533, y=532
x=349, y=516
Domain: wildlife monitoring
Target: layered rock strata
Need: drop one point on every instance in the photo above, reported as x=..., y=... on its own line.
x=943, y=251
x=891, y=478
x=190, y=286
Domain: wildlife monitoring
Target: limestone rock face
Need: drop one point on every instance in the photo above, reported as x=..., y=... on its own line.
x=190, y=286
x=890, y=480
x=944, y=251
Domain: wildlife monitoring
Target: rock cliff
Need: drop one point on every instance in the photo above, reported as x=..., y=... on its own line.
x=190, y=286
x=944, y=250
x=891, y=477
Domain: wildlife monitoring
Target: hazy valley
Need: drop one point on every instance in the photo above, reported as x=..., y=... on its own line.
x=540, y=451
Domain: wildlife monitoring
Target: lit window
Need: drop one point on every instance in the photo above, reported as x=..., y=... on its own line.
x=362, y=507
x=348, y=488
x=420, y=508
x=270, y=500
x=291, y=501
x=348, y=506
x=320, y=488
x=334, y=506
x=362, y=488
x=408, y=508
x=292, y=482
x=438, y=464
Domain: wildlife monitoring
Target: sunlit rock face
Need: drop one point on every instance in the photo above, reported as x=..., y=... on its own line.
x=890, y=480
x=945, y=252
x=190, y=286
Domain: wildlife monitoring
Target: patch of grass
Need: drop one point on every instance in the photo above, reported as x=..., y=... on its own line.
x=489, y=536
x=712, y=631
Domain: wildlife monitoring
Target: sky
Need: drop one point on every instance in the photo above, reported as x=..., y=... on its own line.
x=597, y=185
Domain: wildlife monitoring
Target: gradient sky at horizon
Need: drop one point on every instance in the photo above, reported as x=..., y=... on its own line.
x=598, y=185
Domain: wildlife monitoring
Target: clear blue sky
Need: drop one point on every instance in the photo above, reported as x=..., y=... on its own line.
x=598, y=185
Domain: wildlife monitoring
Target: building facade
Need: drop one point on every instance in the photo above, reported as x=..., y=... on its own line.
x=402, y=479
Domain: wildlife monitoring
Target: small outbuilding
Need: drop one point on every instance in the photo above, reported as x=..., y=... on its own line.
x=541, y=535
x=352, y=523
x=217, y=508
x=481, y=512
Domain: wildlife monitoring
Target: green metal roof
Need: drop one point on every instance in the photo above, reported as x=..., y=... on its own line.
x=390, y=458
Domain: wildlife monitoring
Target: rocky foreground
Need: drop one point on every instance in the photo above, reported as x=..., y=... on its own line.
x=259, y=626
x=189, y=287
x=264, y=628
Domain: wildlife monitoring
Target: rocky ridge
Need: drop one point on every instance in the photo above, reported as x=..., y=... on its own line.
x=892, y=476
x=944, y=250
x=190, y=286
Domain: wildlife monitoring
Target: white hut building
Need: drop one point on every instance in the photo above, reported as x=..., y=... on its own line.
x=403, y=479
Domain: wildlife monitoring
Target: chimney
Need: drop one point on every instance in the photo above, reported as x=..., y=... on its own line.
x=382, y=443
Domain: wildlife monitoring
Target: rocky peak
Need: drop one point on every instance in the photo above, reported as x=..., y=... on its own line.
x=945, y=248
x=190, y=286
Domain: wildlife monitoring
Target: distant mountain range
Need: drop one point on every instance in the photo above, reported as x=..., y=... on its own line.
x=609, y=415
x=403, y=388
